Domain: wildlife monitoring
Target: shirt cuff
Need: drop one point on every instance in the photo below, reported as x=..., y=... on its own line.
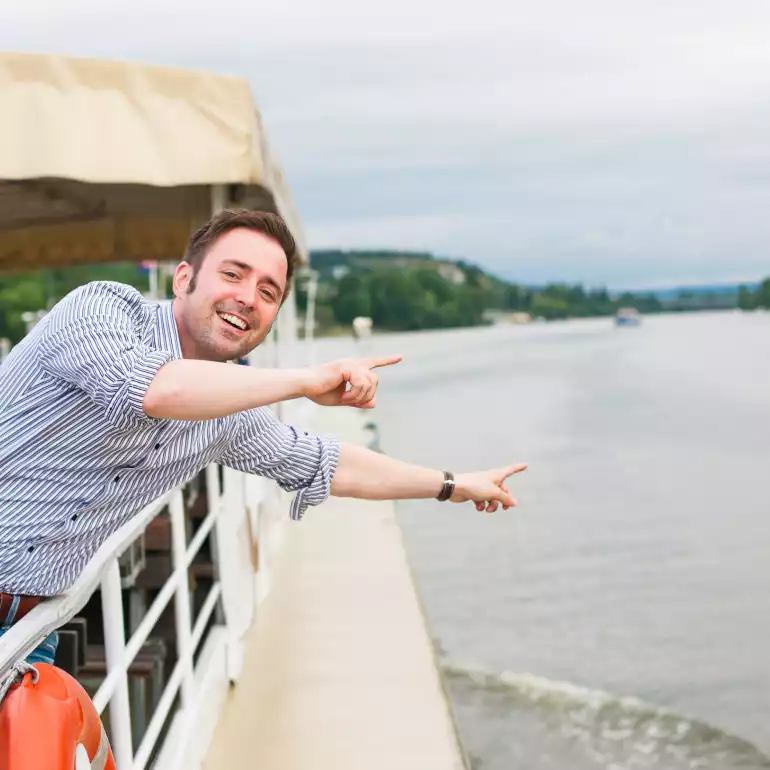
x=319, y=487
x=144, y=370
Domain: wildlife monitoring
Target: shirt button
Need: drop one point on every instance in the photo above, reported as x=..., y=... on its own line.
x=116, y=479
x=74, y=517
x=30, y=549
x=157, y=446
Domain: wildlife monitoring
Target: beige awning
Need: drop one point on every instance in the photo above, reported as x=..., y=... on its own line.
x=106, y=161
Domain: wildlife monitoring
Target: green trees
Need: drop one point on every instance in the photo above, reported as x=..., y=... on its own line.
x=405, y=299
x=19, y=294
x=351, y=299
x=549, y=307
x=752, y=300
x=763, y=294
x=404, y=292
x=39, y=289
x=746, y=299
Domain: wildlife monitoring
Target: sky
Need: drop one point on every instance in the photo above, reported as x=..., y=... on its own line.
x=614, y=143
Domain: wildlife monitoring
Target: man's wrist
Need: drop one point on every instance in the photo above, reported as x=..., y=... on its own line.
x=299, y=382
x=447, y=486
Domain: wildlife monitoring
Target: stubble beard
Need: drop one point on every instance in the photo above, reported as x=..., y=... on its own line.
x=213, y=350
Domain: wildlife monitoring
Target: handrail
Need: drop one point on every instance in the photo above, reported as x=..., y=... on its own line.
x=22, y=637
x=228, y=509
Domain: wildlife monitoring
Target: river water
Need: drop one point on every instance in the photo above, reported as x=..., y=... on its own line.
x=620, y=616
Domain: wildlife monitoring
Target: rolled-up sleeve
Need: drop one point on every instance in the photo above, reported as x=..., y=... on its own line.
x=298, y=461
x=104, y=356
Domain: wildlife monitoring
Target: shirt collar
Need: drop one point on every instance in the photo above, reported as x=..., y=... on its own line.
x=167, y=335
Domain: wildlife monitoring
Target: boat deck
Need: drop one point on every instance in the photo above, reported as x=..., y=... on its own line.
x=339, y=670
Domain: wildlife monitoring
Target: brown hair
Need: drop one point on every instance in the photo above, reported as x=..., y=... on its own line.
x=271, y=225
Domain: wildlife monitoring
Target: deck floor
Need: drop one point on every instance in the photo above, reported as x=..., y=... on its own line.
x=339, y=671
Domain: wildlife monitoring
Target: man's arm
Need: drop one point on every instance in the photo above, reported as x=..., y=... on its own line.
x=368, y=475
x=188, y=389
x=298, y=461
x=202, y=390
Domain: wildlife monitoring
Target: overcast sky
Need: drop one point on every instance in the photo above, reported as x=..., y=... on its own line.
x=614, y=143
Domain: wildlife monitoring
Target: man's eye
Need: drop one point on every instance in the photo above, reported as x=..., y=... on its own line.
x=230, y=274
x=268, y=295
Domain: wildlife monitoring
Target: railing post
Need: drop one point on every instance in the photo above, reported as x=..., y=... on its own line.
x=213, y=503
x=224, y=552
x=182, y=596
x=114, y=648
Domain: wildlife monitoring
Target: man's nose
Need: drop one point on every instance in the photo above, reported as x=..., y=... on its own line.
x=245, y=294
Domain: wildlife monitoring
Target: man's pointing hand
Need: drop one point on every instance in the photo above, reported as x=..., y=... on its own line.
x=487, y=489
x=349, y=382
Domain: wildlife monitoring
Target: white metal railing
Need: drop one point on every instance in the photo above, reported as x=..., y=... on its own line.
x=242, y=504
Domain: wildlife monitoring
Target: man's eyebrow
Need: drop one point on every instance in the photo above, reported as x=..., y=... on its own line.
x=236, y=263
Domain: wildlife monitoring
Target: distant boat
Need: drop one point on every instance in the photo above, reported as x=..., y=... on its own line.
x=627, y=316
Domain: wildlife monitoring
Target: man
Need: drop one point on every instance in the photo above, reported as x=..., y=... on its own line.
x=112, y=400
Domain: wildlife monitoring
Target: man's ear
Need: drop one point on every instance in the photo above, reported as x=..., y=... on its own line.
x=182, y=277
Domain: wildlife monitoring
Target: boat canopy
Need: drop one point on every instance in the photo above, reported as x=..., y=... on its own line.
x=104, y=161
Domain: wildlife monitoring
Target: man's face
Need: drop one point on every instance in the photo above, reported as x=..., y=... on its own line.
x=229, y=306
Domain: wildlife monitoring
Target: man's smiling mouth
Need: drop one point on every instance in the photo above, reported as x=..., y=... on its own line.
x=233, y=320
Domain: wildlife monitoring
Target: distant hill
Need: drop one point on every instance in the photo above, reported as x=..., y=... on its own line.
x=348, y=275
x=332, y=264
x=324, y=261
x=698, y=291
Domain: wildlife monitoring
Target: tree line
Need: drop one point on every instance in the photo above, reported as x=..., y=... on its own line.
x=400, y=292
x=756, y=299
x=40, y=289
x=420, y=297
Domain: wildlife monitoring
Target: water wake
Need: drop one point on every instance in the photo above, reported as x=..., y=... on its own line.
x=598, y=729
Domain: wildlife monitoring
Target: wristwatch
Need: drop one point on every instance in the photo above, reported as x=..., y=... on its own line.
x=448, y=488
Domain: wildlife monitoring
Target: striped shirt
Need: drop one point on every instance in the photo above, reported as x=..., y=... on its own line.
x=78, y=455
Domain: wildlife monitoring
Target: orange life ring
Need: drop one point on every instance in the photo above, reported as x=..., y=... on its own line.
x=43, y=722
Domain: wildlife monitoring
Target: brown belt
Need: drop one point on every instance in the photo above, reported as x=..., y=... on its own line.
x=26, y=604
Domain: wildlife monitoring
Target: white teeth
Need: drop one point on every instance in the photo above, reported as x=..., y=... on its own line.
x=234, y=320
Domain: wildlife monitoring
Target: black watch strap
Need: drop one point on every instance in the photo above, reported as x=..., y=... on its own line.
x=448, y=488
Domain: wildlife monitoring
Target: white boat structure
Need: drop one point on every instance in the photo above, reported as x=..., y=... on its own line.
x=627, y=316
x=123, y=163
